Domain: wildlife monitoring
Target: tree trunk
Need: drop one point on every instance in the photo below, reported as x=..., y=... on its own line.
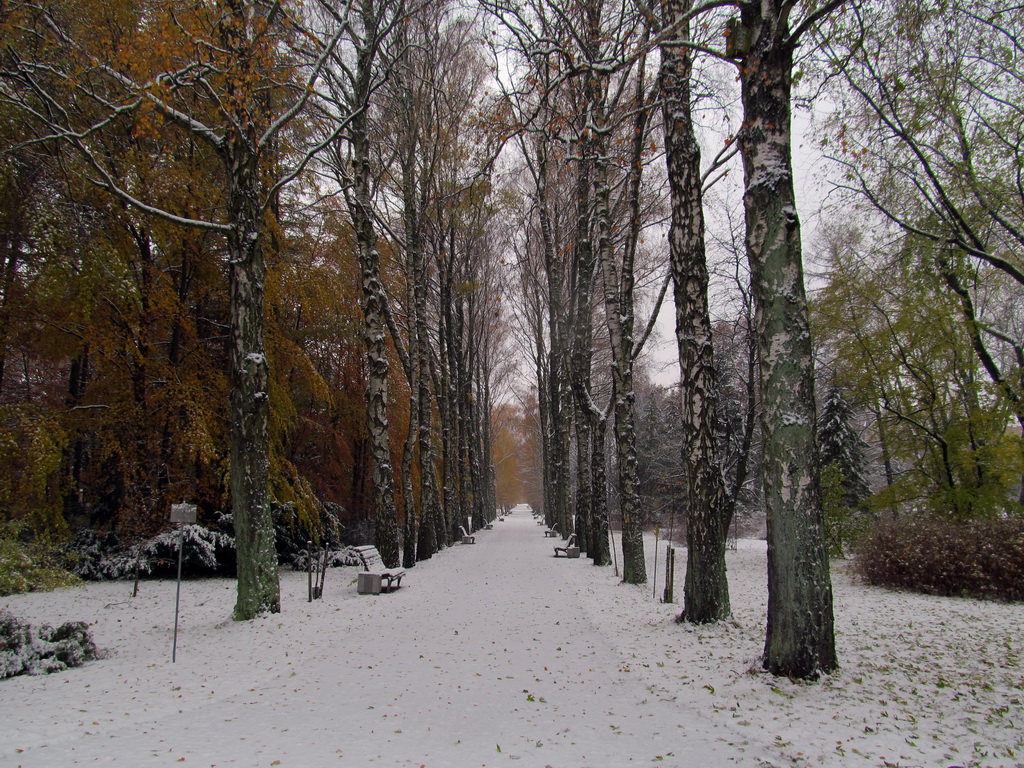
x=618, y=303
x=431, y=532
x=544, y=417
x=584, y=484
x=558, y=410
x=258, y=585
x=706, y=591
x=375, y=336
x=11, y=245
x=600, y=549
x=448, y=408
x=410, y=539
x=800, y=640
x=413, y=258
x=582, y=340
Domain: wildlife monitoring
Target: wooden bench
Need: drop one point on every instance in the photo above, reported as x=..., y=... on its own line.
x=466, y=538
x=376, y=576
x=551, y=532
x=570, y=549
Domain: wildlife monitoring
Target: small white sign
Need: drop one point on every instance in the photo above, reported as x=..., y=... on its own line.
x=183, y=513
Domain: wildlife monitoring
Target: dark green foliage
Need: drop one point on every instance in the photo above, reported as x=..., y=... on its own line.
x=979, y=558
x=28, y=651
x=840, y=445
x=93, y=557
x=844, y=524
x=209, y=549
x=844, y=488
x=206, y=552
x=293, y=532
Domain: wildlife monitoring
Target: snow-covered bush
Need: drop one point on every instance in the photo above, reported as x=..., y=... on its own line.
x=93, y=557
x=980, y=558
x=335, y=558
x=207, y=552
x=25, y=650
x=202, y=553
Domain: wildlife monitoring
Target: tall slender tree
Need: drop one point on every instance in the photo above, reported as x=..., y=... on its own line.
x=706, y=589
x=800, y=638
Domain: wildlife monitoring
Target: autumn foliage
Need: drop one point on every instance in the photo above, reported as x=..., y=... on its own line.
x=981, y=558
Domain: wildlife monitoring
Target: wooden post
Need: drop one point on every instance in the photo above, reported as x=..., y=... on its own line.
x=654, y=571
x=670, y=573
x=309, y=568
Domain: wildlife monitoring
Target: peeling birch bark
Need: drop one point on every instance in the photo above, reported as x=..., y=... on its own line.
x=706, y=588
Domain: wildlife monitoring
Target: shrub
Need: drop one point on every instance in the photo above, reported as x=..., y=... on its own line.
x=980, y=558
x=336, y=558
x=28, y=651
x=293, y=534
x=207, y=552
x=93, y=557
x=199, y=554
x=845, y=524
x=20, y=571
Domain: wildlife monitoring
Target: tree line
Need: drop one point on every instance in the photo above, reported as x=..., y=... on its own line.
x=259, y=250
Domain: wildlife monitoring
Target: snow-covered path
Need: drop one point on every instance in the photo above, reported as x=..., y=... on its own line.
x=483, y=657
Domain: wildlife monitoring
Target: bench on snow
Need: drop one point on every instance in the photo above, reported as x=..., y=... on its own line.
x=376, y=577
x=570, y=549
x=551, y=532
x=466, y=538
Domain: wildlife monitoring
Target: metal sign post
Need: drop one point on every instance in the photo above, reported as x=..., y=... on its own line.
x=183, y=514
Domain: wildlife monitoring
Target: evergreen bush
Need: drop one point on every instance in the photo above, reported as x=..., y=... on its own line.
x=199, y=555
x=981, y=558
x=843, y=455
x=209, y=550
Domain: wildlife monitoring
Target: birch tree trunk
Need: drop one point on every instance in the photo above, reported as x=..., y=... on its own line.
x=558, y=408
x=600, y=550
x=432, y=525
x=413, y=256
x=258, y=585
x=447, y=406
x=706, y=590
x=249, y=373
x=618, y=293
x=800, y=640
x=581, y=313
x=375, y=337
x=618, y=303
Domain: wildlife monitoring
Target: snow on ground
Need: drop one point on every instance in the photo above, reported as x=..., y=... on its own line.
x=499, y=652
x=924, y=681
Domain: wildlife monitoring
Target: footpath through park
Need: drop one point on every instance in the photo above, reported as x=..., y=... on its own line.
x=482, y=658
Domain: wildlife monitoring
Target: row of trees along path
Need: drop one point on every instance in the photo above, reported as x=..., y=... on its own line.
x=261, y=75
